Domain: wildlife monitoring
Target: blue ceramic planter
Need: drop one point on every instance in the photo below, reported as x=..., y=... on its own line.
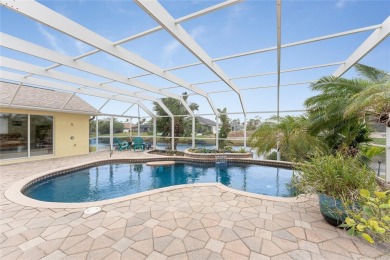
x=332, y=210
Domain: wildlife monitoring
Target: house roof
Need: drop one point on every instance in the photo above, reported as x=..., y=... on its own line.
x=128, y=125
x=205, y=121
x=28, y=96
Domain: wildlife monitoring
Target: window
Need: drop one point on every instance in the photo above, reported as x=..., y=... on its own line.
x=13, y=135
x=14, y=139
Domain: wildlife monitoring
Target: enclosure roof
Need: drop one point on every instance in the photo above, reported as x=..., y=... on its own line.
x=123, y=57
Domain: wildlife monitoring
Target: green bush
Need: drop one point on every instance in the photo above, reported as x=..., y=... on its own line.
x=242, y=150
x=227, y=149
x=274, y=156
x=168, y=152
x=338, y=176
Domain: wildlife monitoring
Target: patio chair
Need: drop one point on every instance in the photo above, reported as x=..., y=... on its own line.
x=138, y=143
x=121, y=145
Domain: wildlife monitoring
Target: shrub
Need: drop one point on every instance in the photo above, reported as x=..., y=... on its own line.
x=167, y=152
x=227, y=149
x=274, y=156
x=338, y=176
x=242, y=150
x=371, y=219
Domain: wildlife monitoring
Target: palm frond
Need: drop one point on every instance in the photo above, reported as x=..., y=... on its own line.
x=374, y=99
x=373, y=74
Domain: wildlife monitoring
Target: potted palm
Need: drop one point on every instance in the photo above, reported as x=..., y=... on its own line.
x=335, y=178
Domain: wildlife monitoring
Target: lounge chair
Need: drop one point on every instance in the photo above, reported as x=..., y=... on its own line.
x=138, y=143
x=121, y=145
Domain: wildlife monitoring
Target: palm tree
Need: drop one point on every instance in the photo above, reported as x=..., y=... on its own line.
x=373, y=101
x=327, y=119
x=294, y=141
x=224, y=129
x=182, y=125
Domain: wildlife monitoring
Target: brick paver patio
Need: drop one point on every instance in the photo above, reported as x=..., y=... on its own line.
x=196, y=222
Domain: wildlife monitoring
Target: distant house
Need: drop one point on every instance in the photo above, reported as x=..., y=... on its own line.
x=236, y=127
x=144, y=128
x=127, y=127
x=210, y=124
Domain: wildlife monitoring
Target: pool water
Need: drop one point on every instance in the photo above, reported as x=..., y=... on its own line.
x=117, y=180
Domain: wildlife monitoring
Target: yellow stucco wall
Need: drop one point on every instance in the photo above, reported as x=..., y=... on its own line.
x=65, y=126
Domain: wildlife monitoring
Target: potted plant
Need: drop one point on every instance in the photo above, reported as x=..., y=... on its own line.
x=335, y=178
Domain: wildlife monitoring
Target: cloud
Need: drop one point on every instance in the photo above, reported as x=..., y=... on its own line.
x=171, y=48
x=197, y=31
x=235, y=12
x=168, y=52
x=120, y=7
x=341, y=3
x=53, y=41
x=81, y=47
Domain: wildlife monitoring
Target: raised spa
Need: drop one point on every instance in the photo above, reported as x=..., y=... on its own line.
x=117, y=180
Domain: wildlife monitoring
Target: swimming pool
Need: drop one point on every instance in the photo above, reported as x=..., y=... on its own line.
x=116, y=180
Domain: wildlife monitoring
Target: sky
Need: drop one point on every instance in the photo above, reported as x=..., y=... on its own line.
x=241, y=27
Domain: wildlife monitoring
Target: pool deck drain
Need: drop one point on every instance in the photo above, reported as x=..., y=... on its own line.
x=186, y=223
x=92, y=210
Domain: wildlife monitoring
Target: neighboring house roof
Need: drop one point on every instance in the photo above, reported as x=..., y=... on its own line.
x=127, y=125
x=29, y=96
x=205, y=121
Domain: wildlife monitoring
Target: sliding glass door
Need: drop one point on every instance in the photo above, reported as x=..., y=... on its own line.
x=23, y=135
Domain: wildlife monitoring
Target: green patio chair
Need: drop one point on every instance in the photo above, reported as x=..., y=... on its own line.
x=138, y=143
x=121, y=145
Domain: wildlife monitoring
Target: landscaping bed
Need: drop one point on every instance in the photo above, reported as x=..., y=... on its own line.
x=167, y=152
x=213, y=153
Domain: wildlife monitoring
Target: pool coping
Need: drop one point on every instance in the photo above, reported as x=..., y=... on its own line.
x=14, y=193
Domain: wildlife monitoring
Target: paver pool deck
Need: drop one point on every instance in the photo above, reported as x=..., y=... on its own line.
x=195, y=222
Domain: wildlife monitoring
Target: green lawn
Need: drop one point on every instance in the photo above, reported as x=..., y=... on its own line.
x=120, y=135
x=381, y=141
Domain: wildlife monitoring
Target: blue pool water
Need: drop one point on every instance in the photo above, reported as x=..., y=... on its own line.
x=117, y=180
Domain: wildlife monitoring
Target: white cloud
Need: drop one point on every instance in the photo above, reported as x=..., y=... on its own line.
x=170, y=49
x=168, y=52
x=81, y=47
x=342, y=3
x=120, y=7
x=197, y=31
x=235, y=12
x=53, y=41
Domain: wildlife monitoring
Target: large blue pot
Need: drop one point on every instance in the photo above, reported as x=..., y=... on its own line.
x=332, y=210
